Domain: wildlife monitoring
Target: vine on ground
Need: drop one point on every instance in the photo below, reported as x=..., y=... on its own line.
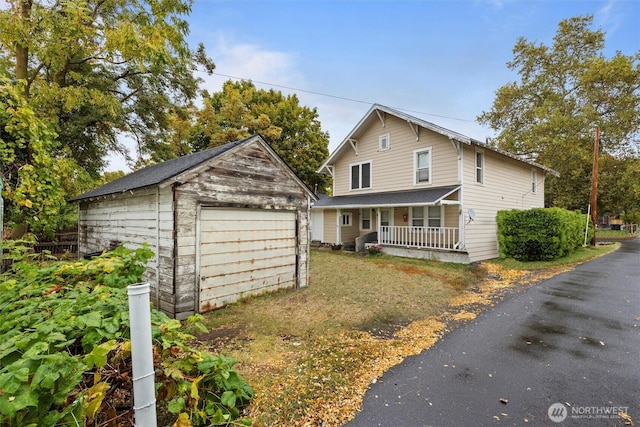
x=65, y=349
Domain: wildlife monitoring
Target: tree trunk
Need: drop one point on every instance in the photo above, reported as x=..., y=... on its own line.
x=22, y=51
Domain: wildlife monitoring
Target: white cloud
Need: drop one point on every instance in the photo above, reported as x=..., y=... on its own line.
x=250, y=62
x=608, y=17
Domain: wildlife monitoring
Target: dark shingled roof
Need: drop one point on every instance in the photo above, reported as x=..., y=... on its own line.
x=155, y=174
x=395, y=198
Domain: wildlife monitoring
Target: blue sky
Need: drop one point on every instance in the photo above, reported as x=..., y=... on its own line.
x=441, y=61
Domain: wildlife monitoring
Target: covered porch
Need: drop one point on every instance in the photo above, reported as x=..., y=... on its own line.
x=418, y=220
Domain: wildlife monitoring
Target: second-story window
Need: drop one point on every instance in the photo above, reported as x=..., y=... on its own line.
x=361, y=175
x=479, y=167
x=422, y=166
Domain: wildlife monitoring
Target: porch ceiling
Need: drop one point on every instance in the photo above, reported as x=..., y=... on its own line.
x=428, y=196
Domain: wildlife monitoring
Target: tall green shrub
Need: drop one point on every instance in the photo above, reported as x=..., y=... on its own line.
x=540, y=234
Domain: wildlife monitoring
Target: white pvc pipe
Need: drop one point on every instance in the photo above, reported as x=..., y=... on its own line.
x=144, y=396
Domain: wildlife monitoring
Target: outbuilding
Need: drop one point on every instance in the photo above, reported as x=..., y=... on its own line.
x=224, y=223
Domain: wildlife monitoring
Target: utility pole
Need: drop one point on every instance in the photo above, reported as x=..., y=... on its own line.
x=594, y=185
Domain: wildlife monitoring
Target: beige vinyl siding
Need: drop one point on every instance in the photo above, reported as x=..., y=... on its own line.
x=451, y=217
x=392, y=169
x=507, y=185
x=349, y=233
x=329, y=230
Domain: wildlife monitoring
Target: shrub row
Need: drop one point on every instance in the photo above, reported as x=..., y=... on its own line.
x=65, y=353
x=540, y=234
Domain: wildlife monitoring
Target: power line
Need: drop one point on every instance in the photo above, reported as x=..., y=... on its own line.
x=339, y=97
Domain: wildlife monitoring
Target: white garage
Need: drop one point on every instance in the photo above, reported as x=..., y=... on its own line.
x=224, y=223
x=245, y=252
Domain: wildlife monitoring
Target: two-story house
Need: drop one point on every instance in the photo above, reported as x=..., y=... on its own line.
x=421, y=190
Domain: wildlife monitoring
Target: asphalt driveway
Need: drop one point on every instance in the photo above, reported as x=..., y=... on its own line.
x=565, y=352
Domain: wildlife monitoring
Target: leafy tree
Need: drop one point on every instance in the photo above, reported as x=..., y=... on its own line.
x=565, y=90
x=34, y=181
x=96, y=69
x=240, y=110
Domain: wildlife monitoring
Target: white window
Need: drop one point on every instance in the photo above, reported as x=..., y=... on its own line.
x=360, y=175
x=479, y=167
x=434, y=216
x=417, y=216
x=422, y=166
x=534, y=180
x=345, y=221
x=365, y=219
x=384, y=142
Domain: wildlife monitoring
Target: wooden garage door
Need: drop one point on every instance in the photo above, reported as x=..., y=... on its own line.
x=245, y=252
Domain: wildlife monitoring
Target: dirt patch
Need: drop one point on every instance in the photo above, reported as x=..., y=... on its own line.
x=410, y=269
x=227, y=336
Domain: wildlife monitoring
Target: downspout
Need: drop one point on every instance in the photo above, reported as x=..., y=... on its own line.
x=338, y=230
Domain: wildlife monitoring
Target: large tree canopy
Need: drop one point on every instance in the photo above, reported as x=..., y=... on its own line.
x=240, y=110
x=96, y=69
x=565, y=91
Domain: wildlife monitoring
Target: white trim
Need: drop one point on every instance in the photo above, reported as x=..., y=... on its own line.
x=425, y=216
x=362, y=210
x=441, y=218
x=426, y=125
x=349, y=217
x=482, y=167
x=415, y=165
x=386, y=146
x=359, y=164
x=411, y=217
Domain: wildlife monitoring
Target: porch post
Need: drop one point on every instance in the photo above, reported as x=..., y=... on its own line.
x=338, y=226
x=461, y=225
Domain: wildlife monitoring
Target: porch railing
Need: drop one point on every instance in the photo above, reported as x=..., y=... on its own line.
x=420, y=237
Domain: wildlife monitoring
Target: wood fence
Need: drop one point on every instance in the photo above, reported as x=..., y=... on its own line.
x=62, y=246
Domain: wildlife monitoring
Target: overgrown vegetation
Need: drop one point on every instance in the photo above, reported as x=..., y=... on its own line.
x=65, y=350
x=541, y=234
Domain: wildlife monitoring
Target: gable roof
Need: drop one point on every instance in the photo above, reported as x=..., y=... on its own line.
x=376, y=109
x=162, y=172
x=428, y=196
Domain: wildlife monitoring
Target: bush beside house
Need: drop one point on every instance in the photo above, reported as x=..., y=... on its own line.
x=541, y=233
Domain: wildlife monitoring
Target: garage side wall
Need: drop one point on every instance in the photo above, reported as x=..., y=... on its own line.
x=247, y=178
x=134, y=218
